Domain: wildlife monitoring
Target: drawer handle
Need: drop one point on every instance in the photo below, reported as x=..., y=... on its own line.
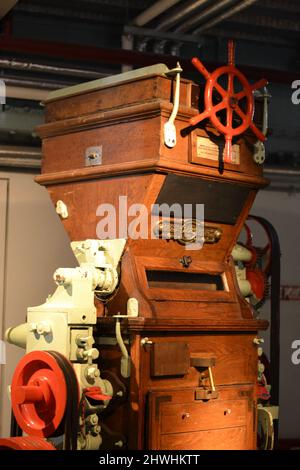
x=185, y=415
x=227, y=412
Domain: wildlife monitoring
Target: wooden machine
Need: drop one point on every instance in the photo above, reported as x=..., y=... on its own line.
x=154, y=336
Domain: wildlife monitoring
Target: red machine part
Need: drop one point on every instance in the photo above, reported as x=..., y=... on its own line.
x=39, y=394
x=230, y=101
x=95, y=393
x=258, y=275
x=25, y=443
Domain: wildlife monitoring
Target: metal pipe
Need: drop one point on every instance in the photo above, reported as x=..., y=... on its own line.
x=281, y=172
x=223, y=16
x=152, y=12
x=20, y=157
x=200, y=17
x=51, y=69
x=26, y=93
x=31, y=83
x=178, y=16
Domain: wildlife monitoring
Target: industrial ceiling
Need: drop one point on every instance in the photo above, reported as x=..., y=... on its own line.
x=47, y=44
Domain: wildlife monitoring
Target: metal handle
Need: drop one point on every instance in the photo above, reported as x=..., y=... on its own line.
x=258, y=340
x=169, y=127
x=145, y=341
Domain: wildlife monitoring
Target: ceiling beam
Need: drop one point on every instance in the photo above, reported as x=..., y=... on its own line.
x=6, y=6
x=75, y=53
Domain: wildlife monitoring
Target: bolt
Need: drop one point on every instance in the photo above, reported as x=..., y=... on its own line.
x=92, y=372
x=92, y=419
x=119, y=444
x=120, y=393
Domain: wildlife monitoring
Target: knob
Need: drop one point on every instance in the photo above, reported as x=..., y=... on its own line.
x=185, y=415
x=145, y=341
x=258, y=340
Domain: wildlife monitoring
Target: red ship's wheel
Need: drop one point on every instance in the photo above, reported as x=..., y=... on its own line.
x=229, y=100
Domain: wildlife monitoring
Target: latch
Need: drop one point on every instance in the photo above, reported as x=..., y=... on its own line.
x=204, y=362
x=125, y=359
x=169, y=127
x=259, y=155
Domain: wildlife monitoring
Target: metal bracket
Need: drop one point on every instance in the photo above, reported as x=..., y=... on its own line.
x=93, y=156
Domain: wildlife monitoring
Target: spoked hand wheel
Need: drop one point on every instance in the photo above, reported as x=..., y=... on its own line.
x=230, y=101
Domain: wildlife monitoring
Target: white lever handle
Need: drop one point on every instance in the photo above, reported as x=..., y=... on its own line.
x=169, y=127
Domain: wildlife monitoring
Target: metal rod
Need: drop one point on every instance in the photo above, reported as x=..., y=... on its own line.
x=281, y=172
x=195, y=20
x=51, y=69
x=179, y=15
x=223, y=16
x=152, y=12
x=20, y=157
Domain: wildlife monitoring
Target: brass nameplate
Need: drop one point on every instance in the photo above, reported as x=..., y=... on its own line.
x=186, y=231
x=207, y=149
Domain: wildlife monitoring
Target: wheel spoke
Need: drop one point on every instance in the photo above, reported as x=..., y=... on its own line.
x=257, y=132
x=229, y=115
x=240, y=113
x=240, y=95
x=194, y=120
x=219, y=106
x=230, y=84
x=220, y=90
x=261, y=83
x=200, y=67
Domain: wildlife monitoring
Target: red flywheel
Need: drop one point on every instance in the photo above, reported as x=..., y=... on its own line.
x=39, y=393
x=230, y=101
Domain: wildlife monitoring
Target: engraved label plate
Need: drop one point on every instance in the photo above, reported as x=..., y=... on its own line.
x=207, y=149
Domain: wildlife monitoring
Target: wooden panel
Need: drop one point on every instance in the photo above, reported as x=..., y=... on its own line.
x=217, y=439
x=223, y=202
x=178, y=421
x=141, y=91
x=245, y=149
x=65, y=152
x=236, y=359
x=189, y=417
x=169, y=358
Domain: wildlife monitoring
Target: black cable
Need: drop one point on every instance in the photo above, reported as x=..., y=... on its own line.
x=71, y=418
x=15, y=430
x=275, y=315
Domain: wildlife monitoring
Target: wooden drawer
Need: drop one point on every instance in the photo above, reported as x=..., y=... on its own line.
x=67, y=151
x=218, y=439
x=178, y=421
x=203, y=415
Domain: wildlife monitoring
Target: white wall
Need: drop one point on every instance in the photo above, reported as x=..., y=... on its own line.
x=283, y=211
x=36, y=245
